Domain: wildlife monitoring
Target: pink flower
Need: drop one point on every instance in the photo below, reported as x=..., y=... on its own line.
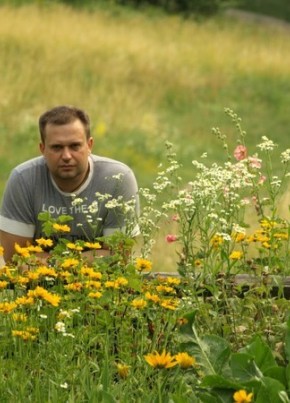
x=262, y=179
x=175, y=217
x=171, y=238
x=255, y=162
x=240, y=152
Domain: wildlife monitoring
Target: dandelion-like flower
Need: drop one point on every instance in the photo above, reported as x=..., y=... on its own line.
x=159, y=361
x=139, y=303
x=241, y=396
x=61, y=227
x=185, y=360
x=123, y=370
x=236, y=255
x=143, y=264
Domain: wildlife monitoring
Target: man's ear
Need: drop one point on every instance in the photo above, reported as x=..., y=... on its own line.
x=41, y=148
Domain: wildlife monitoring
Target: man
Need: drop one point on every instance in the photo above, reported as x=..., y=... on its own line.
x=66, y=180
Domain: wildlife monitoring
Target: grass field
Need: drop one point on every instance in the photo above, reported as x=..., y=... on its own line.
x=143, y=78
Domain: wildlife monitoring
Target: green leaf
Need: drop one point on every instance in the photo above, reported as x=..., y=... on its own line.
x=261, y=353
x=211, y=352
x=271, y=391
x=244, y=367
x=186, y=329
x=218, y=381
x=278, y=373
x=287, y=340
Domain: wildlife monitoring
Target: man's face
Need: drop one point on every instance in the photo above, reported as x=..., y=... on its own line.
x=66, y=150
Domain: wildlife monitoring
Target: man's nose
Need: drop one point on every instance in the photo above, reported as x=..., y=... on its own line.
x=66, y=154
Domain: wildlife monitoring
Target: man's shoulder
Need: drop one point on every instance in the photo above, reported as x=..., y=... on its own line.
x=109, y=164
x=30, y=164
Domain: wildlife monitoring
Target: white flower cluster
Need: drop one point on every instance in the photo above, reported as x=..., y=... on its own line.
x=267, y=145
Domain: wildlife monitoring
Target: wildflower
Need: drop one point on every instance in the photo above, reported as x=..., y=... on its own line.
x=173, y=280
x=92, y=245
x=152, y=297
x=240, y=152
x=1, y=250
x=70, y=262
x=26, y=300
x=3, y=284
x=90, y=272
x=60, y=327
x=46, y=271
x=6, y=307
x=139, y=303
x=236, y=255
x=93, y=284
x=143, y=264
x=64, y=385
x=96, y=294
x=23, y=334
x=216, y=241
x=164, y=360
x=169, y=304
x=19, y=317
x=34, y=248
x=77, y=286
x=165, y=289
x=185, y=360
x=123, y=370
x=61, y=228
x=255, y=162
x=285, y=156
x=73, y=246
x=121, y=281
x=171, y=238
x=241, y=396
x=24, y=252
x=44, y=242
x=40, y=292
x=267, y=145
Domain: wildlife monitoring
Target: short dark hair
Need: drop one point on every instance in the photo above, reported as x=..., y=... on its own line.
x=61, y=115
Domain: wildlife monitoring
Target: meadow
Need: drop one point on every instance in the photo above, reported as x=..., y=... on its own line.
x=159, y=90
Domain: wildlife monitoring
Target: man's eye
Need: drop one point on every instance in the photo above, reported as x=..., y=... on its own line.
x=75, y=147
x=56, y=148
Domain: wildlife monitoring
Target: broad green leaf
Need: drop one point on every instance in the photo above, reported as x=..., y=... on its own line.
x=271, y=391
x=243, y=367
x=278, y=373
x=218, y=381
x=261, y=353
x=211, y=352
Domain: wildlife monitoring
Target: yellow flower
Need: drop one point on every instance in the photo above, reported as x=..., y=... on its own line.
x=166, y=289
x=169, y=304
x=24, y=252
x=164, y=360
x=70, y=262
x=44, y=242
x=3, y=284
x=73, y=246
x=93, y=284
x=96, y=294
x=143, y=264
x=121, y=281
x=90, y=272
x=7, y=307
x=1, y=250
x=19, y=317
x=92, y=245
x=23, y=334
x=152, y=297
x=173, y=280
x=185, y=360
x=40, y=292
x=236, y=255
x=123, y=370
x=138, y=303
x=46, y=271
x=241, y=396
x=216, y=241
x=61, y=228
x=25, y=300
x=74, y=286
x=34, y=248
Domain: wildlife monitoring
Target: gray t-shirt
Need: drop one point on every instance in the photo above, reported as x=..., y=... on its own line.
x=31, y=190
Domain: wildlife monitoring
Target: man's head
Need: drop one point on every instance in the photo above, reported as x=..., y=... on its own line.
x=61, y=115
x=66, y=145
